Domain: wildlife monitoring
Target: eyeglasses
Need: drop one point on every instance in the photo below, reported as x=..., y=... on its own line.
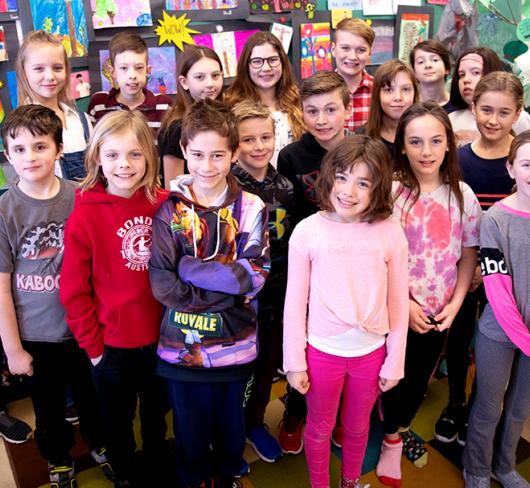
x=272, y=61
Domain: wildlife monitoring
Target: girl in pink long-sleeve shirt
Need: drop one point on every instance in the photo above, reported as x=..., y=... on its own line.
x=346, y=310
x=441, y=217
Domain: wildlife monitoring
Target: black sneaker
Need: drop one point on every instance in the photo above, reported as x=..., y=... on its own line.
x=70, y=414
x=14, y=430
x=446, y=427
x=100, y=457
x=62, y=475
x=461, y=435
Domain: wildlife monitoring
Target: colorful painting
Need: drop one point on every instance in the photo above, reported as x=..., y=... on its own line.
x=120, y=13
x=414, y=29
x=228, y=45
x=8, y=6
x=200, y=4
x=3, y=46
x=12, y=85
x=276, y=6
x=162, y=76
x=65, y=19
x=80, y=84
x=315, y=48
x=383, y=47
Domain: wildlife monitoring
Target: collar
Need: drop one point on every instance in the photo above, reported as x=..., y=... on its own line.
x=366, y=81
x=67, y=109
x=148, y=103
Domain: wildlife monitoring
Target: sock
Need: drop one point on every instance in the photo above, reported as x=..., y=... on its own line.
x=388, y=468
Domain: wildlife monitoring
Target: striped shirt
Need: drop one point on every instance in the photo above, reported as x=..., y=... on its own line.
x=360, y=103
x=153, y=107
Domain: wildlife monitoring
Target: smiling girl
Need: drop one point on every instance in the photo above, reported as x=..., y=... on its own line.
x=265, y=74
x=470, y=67
x=440, y=216
x=503, y=334
x=105, y=286
x=346, y=305
x=200, y=77
x=43, y=77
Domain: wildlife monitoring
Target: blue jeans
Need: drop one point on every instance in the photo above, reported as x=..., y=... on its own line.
x=503, y=374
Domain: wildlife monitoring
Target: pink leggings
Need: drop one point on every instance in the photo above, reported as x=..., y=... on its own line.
x=356, y=379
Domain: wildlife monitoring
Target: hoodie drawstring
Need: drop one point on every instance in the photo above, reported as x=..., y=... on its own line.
x=218, y=236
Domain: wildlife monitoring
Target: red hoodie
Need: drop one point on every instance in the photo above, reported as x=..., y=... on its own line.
x=104, y=279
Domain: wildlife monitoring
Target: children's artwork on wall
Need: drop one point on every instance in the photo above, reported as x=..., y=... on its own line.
x=200, y=4
x=162, y=77
x=65, y=19
x=339, y=14
x=12, y=85
x=224, y=44
x=228, y=46
x=284, y=33
x=80, y=84
x=8, y=6
x=345, y=4
x=276, y=6
x=413, y=25
x=383, y=47
x=377, y=7
x=120, y=13
x=315, y=48
x=3, y=46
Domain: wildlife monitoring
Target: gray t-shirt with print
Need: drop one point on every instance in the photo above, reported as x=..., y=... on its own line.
x=31, y=249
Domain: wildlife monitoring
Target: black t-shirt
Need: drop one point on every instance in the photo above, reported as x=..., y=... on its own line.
x=488, y=178
x=169, y=144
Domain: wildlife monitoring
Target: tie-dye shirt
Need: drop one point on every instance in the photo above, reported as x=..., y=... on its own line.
x=436, y=232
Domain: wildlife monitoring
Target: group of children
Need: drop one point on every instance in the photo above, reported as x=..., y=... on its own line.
x=354, y=253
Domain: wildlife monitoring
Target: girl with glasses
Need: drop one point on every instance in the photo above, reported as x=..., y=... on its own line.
x=264, y=74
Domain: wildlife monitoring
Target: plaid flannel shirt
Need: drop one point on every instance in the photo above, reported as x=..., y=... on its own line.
x=360, y=103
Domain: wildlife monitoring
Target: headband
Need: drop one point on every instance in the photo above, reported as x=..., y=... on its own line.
x=473, y=57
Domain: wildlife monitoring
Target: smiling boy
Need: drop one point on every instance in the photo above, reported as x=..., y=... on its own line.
x=33, y=328
x=129, y=69
x=351, y=49
x=209, y=259
x=325, y=107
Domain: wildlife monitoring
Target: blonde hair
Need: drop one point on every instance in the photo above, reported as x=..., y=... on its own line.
x=24, y=91
x=358, y=27
x=115, y=123
x=247, y=109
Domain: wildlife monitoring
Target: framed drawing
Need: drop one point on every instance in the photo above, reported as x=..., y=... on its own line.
x=227, y=39
x=208, y=10
x=413, y=25
x=311, y=44
x=315, y=48
x=228, y=46
x=383, y=47
x=120, y=13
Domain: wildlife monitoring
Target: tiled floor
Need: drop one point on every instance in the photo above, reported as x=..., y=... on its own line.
x=290, y=471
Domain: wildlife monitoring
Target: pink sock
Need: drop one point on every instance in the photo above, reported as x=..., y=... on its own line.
x=388, y=468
